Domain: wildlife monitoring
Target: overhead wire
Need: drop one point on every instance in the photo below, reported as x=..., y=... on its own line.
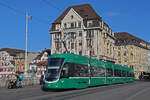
x=38, y=20
x=12, y=9
x=50, y=4
x=35, y=19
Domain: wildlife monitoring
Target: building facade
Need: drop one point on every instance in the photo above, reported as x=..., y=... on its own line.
x=148, y=53
x=131, y=51
x=12, y=61
x=80, y=30
x=38, y=65
x=7, y=68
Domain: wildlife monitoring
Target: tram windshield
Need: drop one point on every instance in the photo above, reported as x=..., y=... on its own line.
x=53, y=68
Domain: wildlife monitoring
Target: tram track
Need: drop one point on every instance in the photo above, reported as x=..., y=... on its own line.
x=64, y=95
x=107, y=91
x=86, y=92
x=103, y=90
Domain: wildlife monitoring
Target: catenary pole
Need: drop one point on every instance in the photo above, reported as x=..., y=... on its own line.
x=26, y=51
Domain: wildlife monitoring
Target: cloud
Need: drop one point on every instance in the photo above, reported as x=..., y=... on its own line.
x=111, y=14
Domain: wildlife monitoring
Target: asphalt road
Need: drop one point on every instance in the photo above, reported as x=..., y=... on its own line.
x=139, y=90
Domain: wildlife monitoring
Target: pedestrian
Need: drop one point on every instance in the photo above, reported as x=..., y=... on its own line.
x=141, y=76
x=20, y=77
x=42, y=79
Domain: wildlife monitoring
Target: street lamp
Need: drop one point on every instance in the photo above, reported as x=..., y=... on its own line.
x=26, y=50
x=26, y=56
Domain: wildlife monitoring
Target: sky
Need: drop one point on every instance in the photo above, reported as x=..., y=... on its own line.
x=132, y=16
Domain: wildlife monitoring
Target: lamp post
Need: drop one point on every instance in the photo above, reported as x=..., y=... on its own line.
x=26, y=50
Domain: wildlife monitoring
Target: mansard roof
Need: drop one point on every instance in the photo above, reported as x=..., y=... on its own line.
x=127, y=38
x=84, y=10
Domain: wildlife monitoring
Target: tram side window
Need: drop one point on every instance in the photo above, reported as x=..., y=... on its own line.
x=109, y=72
x=132, y=74
x=64, y=72
x=117, y=73
x=128, y=74
x=98, y=72
x=81, y=70
x=71, y=69
x=78, y=70
x=124, y=73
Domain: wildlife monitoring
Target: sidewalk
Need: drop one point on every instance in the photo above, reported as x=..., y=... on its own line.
x=29, y=87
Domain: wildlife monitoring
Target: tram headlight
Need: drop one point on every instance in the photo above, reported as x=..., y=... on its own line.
x=49, y=85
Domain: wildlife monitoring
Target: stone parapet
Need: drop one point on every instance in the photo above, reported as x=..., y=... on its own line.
x=25, y=82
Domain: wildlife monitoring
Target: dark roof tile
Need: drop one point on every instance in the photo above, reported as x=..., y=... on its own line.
x=127, y=38
x=84, y=10
x=126, y=35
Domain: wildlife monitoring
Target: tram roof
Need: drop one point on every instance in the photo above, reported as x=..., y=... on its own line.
x=66, y=55
x=93, y=62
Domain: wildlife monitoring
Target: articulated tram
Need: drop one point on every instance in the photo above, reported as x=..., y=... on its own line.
x=71, y=71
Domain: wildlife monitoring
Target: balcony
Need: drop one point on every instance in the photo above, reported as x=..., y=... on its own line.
x=55, y=31
x=71, y=29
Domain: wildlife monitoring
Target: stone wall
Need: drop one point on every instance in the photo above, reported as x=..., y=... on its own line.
x=25, y=82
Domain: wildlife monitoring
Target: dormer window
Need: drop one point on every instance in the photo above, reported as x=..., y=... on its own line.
x=71, y=16
x=65, y=25
x=86, y=16
x=57, y=26
x=89, y=23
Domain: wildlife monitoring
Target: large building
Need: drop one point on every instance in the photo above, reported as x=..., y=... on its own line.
x=7, y=65
x=86, y=32
x=131, y=51
x=80, y=30
x=148, y=53
x=12, y=61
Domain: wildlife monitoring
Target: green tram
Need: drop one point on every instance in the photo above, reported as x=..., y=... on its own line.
x=71, y=71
